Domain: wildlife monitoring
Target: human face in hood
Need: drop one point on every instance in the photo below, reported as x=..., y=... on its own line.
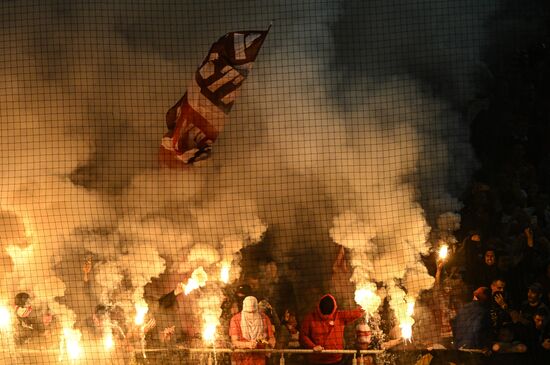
x=327, y=305
x=250, y=305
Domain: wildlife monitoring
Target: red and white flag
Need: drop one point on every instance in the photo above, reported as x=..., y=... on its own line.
x=196, y=120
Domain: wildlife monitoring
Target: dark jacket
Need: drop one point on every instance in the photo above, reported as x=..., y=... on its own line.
x=472, y=326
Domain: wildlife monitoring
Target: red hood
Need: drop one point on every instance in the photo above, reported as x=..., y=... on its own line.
x=327, y=316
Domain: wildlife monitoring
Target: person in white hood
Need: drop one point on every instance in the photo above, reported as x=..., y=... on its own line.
x=251, y=329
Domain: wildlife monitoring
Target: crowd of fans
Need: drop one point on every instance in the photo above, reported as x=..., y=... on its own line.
x=492, y=295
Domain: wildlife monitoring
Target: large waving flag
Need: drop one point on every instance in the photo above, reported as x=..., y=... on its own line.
x=196, y=120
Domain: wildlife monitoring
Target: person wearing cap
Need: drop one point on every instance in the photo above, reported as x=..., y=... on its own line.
x=250, y=329
x=532, y=304
x=323, y=329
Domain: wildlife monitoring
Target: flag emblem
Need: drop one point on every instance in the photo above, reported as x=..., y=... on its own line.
x=196, y=120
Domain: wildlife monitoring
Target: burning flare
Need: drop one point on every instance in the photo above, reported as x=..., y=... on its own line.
x=224, y=272
x=72, y=343
x=443, y=252
x=108, y=340
x=197, y=280
x=367, y=298
x=209, y=331
x=141, y=311
x=407, y=322
x=5, y=319
x=403, y=307
x=406, y=330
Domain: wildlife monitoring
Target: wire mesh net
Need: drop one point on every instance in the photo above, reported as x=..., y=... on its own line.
x=163, y=161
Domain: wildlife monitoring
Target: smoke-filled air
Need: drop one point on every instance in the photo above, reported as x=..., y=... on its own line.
x=348, y=137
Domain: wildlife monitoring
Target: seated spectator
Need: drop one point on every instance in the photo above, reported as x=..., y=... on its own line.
x=505, y=332
x=532, y=304
x=539, y=343
x=472, y=324
x=499, y=294
x=499, y=307
x=523, y=319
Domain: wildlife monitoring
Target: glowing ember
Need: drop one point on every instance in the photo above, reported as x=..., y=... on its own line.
x=367, y=298
x=72, y=343
x=197, y=280
x=5, y=319
x=141, y=311
x=443, y=252
x=224, y=273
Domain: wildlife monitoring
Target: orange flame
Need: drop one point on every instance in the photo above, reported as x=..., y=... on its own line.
x=209, y=332
x=72, y=343
x=224, y=272
x=197, y=280
x=141, y=311
x=5, y=319
x=443, y=252
x=407, y=322
x=367, y=298
x=108, y=340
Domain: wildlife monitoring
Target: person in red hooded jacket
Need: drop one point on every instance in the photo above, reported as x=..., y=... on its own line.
x=323, y=329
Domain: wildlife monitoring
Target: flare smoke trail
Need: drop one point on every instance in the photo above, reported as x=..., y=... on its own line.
x=348, y=131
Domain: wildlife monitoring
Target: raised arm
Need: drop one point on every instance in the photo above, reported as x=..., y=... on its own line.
x=349, y=316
